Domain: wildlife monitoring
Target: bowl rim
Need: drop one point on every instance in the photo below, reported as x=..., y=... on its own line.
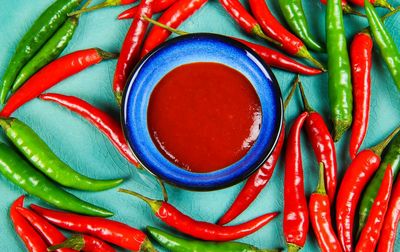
x=276, y=92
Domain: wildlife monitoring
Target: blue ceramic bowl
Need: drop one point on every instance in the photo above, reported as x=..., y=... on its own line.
x=200, y=47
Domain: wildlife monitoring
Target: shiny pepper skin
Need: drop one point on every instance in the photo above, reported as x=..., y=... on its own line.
x=295, y=211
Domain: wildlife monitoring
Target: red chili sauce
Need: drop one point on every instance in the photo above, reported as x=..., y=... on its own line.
x=204, y=116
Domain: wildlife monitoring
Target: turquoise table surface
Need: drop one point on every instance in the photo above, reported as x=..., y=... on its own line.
x=88, y=151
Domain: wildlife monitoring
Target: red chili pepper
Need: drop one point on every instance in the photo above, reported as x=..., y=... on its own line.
x=272, y=28
x=323, y=145
x=320, y=217
x=260, y=178
x=172, y=17
x=378, y=3
x=52, y=74
x=389, y=231
x=280, y=60
x=131, y=46
x=104, y=122
x=84, y=243
x=48, y=232
x=108, y=230
x=295, y=212
x=200, y=229
x=254, y=184
x=245, y=20
x=346, y=8
x=356, y=177
x=31, y=239
x=158, y=6
x=372, y=229
x=361, y=63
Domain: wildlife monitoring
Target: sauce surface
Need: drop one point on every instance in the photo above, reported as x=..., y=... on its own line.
x=204, y=116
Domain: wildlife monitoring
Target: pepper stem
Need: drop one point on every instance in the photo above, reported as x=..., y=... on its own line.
x=348, y=10
x=269, y=250
x=377, y=149
x=166, y=27
x=5, y=122
x=104, y=4
x=163, y=189
x=76, y=242
x=154, y=204
x=106, y=55
x=293, y=247
x=291, y=93
x=304, y=53
x=147, y=246
x=387, y=15
x=384, y=4
x=307, y=106
x=84, y=7
x=321, y=181
x=259, y=32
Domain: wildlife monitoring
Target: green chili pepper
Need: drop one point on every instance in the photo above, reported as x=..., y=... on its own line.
x=339, y=82
x=19, y=172
x=50, y=51
x=385, y=42
x=43, y=28
x=392, y=157
x=176, y=244
x=294, y=15
x=44, y=159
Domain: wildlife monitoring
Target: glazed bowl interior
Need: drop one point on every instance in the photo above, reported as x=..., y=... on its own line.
x=200, y=47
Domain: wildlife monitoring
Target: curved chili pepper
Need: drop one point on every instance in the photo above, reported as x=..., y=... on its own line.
x=105, y=123
x=256, y=182
x=177, y=244
x=323, y=145
x=83, y=243
x=392, y=157
x=45, y=160
x=347, y=9
x=130, y=50
x=280, y=60
x=37, y=35
x=200, y=229
x=272, y=28
x=111, y=231
x=372, y=230
x=106, y=3
x=270, y=56
x=385, y=42
x=377, y=3
x=389, y=230
x=320, y=217
x=295, y=212
x=339, y=71
x=243, y=18
x=356, y=177
x=20, y=173
x=293, y=13
x=158, y=6
x=361, y=63
x=44, y=228
x=172, y=17
x=53, y=73
x=31, y=239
